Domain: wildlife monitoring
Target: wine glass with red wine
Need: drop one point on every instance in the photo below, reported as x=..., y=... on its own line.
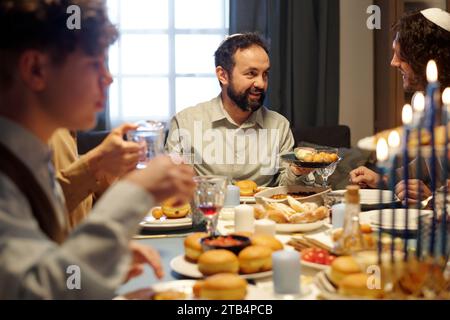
x=209, y=198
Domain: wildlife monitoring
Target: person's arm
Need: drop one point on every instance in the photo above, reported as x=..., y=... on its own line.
x=34, y=267
x=78, y=182
x=287, y=176
x=93, y=172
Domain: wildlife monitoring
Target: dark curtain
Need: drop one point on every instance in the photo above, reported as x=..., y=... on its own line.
x=304, y=51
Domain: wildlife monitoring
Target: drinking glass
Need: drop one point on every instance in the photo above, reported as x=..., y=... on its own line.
x=326, y=172
x=150, y=136
x=209, y=198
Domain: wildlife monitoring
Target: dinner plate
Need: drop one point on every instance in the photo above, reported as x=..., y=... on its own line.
x=316, y=194
x=291, y=158
x=328, y=290
x=248, y=199
x=150, y=223
x=300, y=227
x=370, y=196
x=316, y=266
x=188, y=269
x=186, y=287
x=399, y=221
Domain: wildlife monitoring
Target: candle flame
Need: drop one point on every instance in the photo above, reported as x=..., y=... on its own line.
x=407, y=114
x=418, y=102
x=432, y=71
x=382, y=150
x=394, y=139
x=446, y=96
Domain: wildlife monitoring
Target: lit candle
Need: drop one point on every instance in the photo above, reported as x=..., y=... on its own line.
x=244, y=218
x=445, y=108
x=407, y=118
x=432, y=90
x=394, y=144
x=265, y=226
x=382, y=157
x=286, y=272
x=418, y=103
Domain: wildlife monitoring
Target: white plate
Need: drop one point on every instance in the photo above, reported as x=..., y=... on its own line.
x=316, y=266
x=400, y=214
x=371, y=196
x=150, y=223
x=188, y=269
x=300, y=227
x=185, y=286
x=328, y=290
x=264, y=196
x=248, y=199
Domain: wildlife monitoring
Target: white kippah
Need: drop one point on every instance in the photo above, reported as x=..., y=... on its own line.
x=438, y=17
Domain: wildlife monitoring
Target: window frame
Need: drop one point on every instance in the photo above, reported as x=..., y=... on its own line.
x=171, y=32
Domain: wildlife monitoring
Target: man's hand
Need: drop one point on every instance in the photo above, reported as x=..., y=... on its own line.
x=142, y=255
x=413, y=191
x=164, y=179
x=364, y=177
x=114, y=157
x=298, y=171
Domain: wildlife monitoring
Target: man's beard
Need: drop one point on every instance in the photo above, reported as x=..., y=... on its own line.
x=243, y=101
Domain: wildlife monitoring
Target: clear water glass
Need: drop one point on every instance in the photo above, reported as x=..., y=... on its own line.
x=150, y=136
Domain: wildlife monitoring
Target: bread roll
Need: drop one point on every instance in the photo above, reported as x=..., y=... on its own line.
x=223, y=286
x=218, y=261
x=265, y=240
x=277, y=216
x=193, y=247
x=255, y=259
x=342, y=267
x=358, y=285
x=258, y=211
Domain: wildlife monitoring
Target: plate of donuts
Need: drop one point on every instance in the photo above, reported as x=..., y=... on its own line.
x=245, y=254
x=189, y=269
x=219, y=287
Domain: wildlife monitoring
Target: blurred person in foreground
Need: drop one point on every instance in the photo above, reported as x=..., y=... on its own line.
x=53, y=77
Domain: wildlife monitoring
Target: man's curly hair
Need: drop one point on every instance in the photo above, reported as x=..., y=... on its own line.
x=420, y=41
x=42, y=25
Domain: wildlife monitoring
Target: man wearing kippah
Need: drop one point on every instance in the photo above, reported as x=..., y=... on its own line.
x=421, y=37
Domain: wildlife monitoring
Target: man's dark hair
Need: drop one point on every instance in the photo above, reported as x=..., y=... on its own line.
x=42, y=25
x=420, y=41
x=224, y=55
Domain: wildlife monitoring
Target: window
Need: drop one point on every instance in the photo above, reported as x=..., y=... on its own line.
x=163, y=61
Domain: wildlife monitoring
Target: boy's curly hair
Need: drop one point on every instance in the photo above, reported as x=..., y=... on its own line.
x=42, y=25
x=421, y=41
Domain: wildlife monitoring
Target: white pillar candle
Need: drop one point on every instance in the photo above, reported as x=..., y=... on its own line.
x=265, y=226
x=233, y=197
x=286, y=272
x=244, y=218
x=338, y=215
